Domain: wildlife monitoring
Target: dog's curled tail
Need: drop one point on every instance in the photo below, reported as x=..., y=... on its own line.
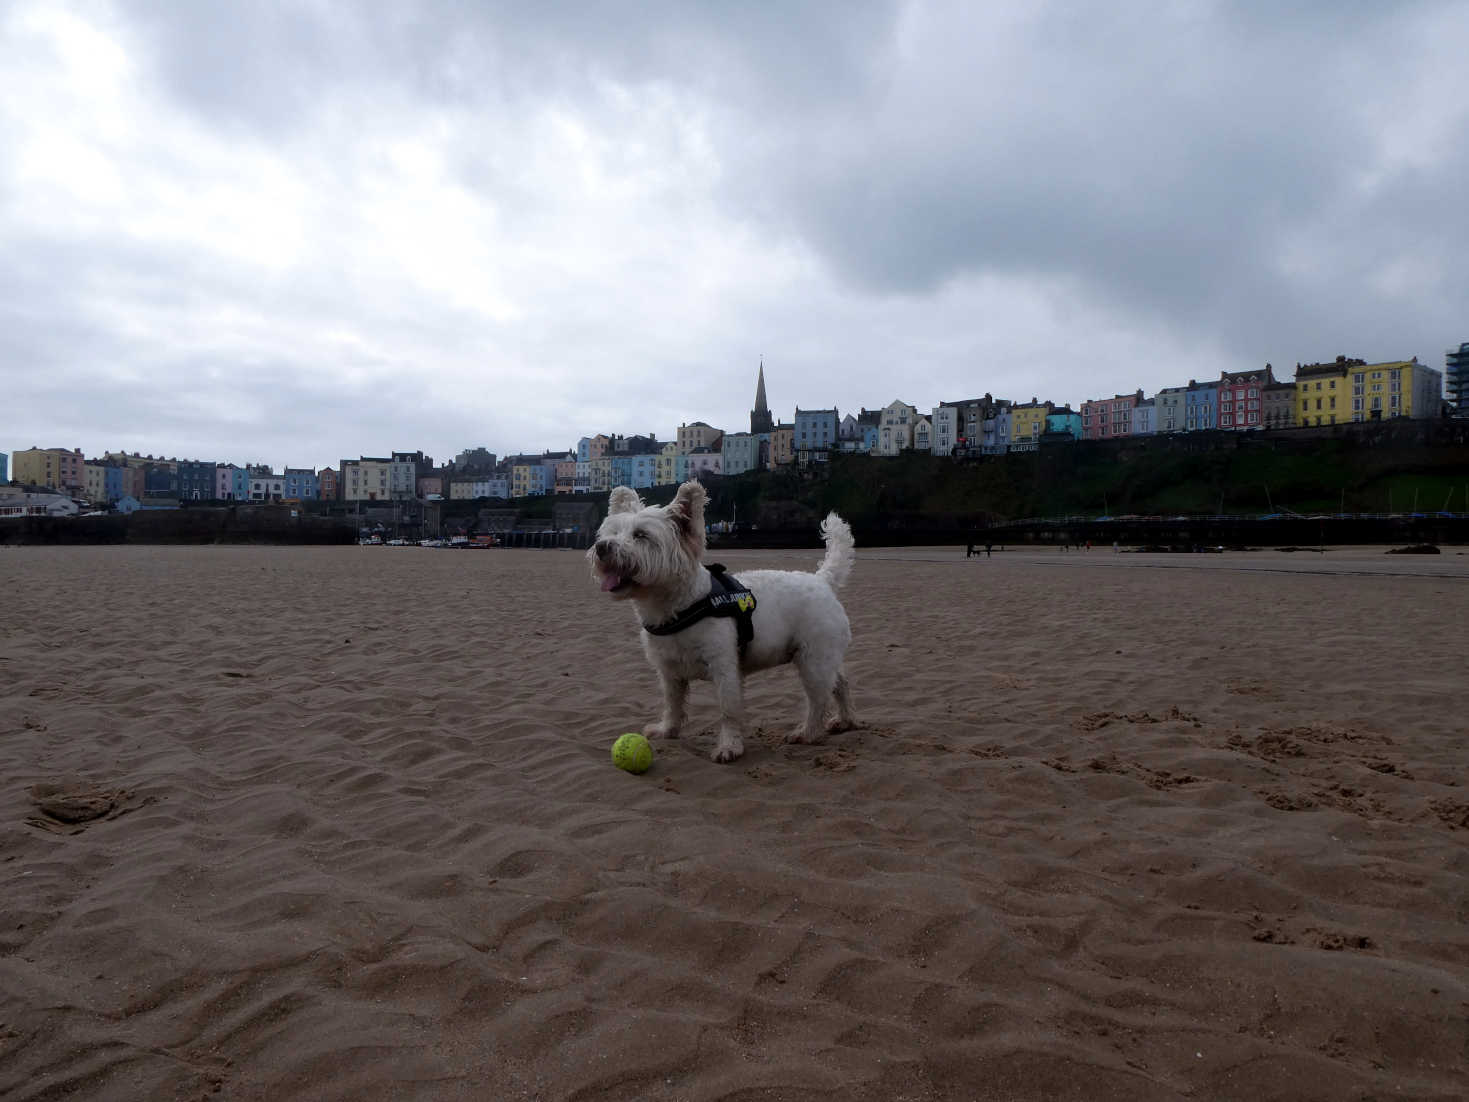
x=840, y=551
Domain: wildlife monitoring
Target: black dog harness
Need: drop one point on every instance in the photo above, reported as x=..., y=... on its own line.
x=727, y=597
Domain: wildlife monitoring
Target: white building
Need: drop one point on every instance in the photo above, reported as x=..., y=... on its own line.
x=895, y=428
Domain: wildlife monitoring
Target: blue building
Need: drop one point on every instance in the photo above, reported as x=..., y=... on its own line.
x=4, y=467
x=240, y=483
x=1064, y=421
x=1456, y=383
x=815, y=430
x=1201, y=406
x=113, y=487
x=301, y=484
x=1143, y=421
x=160, y=482
x=644, y=471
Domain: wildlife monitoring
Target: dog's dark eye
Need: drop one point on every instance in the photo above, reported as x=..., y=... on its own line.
x=639, y=534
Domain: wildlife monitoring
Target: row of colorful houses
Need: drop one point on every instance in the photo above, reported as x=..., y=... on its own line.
x=1337, y=392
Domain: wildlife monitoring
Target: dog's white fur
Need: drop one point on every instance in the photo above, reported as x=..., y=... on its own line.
x=652, y=556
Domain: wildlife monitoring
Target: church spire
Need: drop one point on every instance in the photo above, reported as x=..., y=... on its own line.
x=760, y=419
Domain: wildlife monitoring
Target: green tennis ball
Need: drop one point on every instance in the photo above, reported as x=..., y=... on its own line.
x=632, y=752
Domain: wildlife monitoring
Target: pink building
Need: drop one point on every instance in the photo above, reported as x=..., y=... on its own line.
x=430, y=484
x=703, y=461
x=566, y=476
x=327, y=484
x=1108, y=418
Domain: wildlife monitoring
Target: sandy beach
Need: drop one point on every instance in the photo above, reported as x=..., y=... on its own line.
x=340, y=823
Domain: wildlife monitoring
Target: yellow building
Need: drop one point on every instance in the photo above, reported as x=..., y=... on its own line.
x=599, y=472
x=1028, y=421
x=782, y=446
x=664, y=470
x=1400, y=388
x=1321, y=392
x=53, y=468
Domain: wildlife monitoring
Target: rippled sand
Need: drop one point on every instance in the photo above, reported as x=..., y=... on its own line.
x=340, y=823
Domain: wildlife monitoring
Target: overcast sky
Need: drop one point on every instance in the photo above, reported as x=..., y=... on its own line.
x=290, y=233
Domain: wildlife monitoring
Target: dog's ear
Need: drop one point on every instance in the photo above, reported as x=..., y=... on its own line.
x=687, y=512
x=624, y=499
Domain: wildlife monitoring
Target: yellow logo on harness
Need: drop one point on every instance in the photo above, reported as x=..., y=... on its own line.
x=745, y=602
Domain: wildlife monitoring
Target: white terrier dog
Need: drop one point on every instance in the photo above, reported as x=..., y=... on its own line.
x=697, y=620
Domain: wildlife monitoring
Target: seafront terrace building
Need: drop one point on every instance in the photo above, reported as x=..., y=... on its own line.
x=894, y=429
x=703, y=461
x=994, y=431
x=1200, y=406
x=1399, y=388
x=698, y=434
x=1170, y=409
x=782, y=446
x=741, y=452
x=1143, y=417
x=1109, y=418
x=1241, y=398
x=54, y=468
x=105, y=483
x=1027, y=424
x=1321, y=392
x=301, y=484
x=1278, y=405
x=196, y=480
x=945, y=422
x=1456, y=380
x=1063, y=422
x=816, y=430
x=366, y=478
x=266, y=485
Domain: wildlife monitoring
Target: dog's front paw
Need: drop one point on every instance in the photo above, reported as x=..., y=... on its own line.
x=836, y=725
x=801, y=736
x=728, y=751
x=662, y=730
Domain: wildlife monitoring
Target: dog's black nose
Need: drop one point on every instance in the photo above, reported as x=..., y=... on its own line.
x=602, y=548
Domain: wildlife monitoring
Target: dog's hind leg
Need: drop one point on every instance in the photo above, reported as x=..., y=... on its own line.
x=819, y=677
x=846, y=718
x=675, y=695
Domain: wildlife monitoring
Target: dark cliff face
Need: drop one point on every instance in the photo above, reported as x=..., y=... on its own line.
x=182, y=526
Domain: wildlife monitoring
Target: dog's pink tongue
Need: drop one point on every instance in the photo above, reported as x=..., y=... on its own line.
x=610, y=582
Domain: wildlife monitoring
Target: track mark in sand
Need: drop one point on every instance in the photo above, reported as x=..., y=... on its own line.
x=835, y=761
x=1154, y=778
x=1453, y=813
x=1160, y=779
x=1269, y=746
x=70, y=807
x=1095, y=721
